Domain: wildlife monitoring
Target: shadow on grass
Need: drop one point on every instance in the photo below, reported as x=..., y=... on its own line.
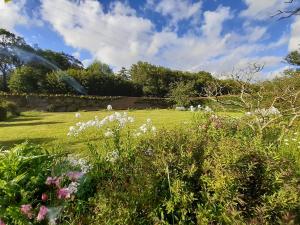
x=12, y=143
x=27, y=124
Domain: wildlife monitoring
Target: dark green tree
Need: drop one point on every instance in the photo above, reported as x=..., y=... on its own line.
x=9, y=58
x=124, y=73
x=293, y=58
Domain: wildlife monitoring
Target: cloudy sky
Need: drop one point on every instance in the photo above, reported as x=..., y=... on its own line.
x=211, y=35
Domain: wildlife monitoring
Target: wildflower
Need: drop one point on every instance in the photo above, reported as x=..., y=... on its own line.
x=63, y=193
x=153, y=128
x=109, y=108
x=294, y=139
x=208, y=109
x=112, y=156
x=1, y=222
x=108, y=133
x=42, y=213
x=192, y=108
x=27, y=210
x=248, y=113
x=73, y=187
x=74, y=176
x=53, y=181
x=44, y=197
x=149, y=152
x=199, y=107
x=77, y=115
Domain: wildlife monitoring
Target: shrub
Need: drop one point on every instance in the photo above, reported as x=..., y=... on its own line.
x=12, y=108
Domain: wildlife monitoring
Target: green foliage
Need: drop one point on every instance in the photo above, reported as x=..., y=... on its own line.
x=26, y=80
x=8, y=57
x=293, y=58
x=23, y=171
x=181, y=93
x=157, y=80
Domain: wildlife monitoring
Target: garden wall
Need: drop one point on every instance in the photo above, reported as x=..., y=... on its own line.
x=68, y=103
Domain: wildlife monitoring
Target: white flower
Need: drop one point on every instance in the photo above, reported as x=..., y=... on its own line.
x=149, y=120
x=112, y=156
x=77, y=115
x=149, y=152
x=153, y=128
x=248, y=113
x=199, y=107
x=73, y=187
x=109, y=133
x=208, y=109
x=109, y=108
x=192, y=108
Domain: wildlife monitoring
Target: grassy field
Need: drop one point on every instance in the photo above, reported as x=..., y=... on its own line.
x=43, y=127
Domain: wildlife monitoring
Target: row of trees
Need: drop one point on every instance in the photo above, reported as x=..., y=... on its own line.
x=34, y=70
x=24, y=68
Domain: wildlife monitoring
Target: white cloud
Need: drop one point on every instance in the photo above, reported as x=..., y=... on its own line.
x=262, y=9
x=177, y=10
x=213, y=21
x=294, y=43
x=12, y=14
x=120, y=38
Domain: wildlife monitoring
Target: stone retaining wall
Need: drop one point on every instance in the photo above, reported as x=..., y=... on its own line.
x=62, y=103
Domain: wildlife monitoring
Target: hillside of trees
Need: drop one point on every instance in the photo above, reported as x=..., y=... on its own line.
x=25, y=69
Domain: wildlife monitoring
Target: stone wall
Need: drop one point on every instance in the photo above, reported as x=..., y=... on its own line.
x=65, y=103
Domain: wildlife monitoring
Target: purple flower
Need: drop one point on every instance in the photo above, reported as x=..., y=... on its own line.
x=1, y=222
x=63, y=193
x=53, y=181
x=74, y=176
x=42, y=213
x=26, y=210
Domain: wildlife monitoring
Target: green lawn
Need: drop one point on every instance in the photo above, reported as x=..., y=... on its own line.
x=42, y=127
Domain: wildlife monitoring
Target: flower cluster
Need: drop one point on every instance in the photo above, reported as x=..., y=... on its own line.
x=147, y=127
x=272, y=111
x=121, y=118
x=109, y=108
x=77, y=115
x=112, y=156
x=64, y=186
x=294, y=140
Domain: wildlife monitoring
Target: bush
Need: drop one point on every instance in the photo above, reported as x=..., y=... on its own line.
x=12, y=108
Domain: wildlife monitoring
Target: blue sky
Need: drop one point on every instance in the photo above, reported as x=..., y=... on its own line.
x=193, y=35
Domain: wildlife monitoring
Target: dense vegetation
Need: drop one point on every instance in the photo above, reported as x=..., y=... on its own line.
x=25, y=69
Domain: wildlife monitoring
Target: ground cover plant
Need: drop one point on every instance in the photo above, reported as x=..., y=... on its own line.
x=210, y=169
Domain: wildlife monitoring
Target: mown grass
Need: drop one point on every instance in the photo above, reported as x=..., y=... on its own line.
x=51, y=128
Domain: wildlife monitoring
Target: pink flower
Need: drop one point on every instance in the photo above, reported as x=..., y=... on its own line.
x=42, y=213
x=74, y=176
x=26, y=210
x=44, y=197
x=1, y=222
x=53, y=181
x=63, y=193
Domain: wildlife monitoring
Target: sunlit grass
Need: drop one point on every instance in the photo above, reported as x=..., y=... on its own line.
x=51, y=128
